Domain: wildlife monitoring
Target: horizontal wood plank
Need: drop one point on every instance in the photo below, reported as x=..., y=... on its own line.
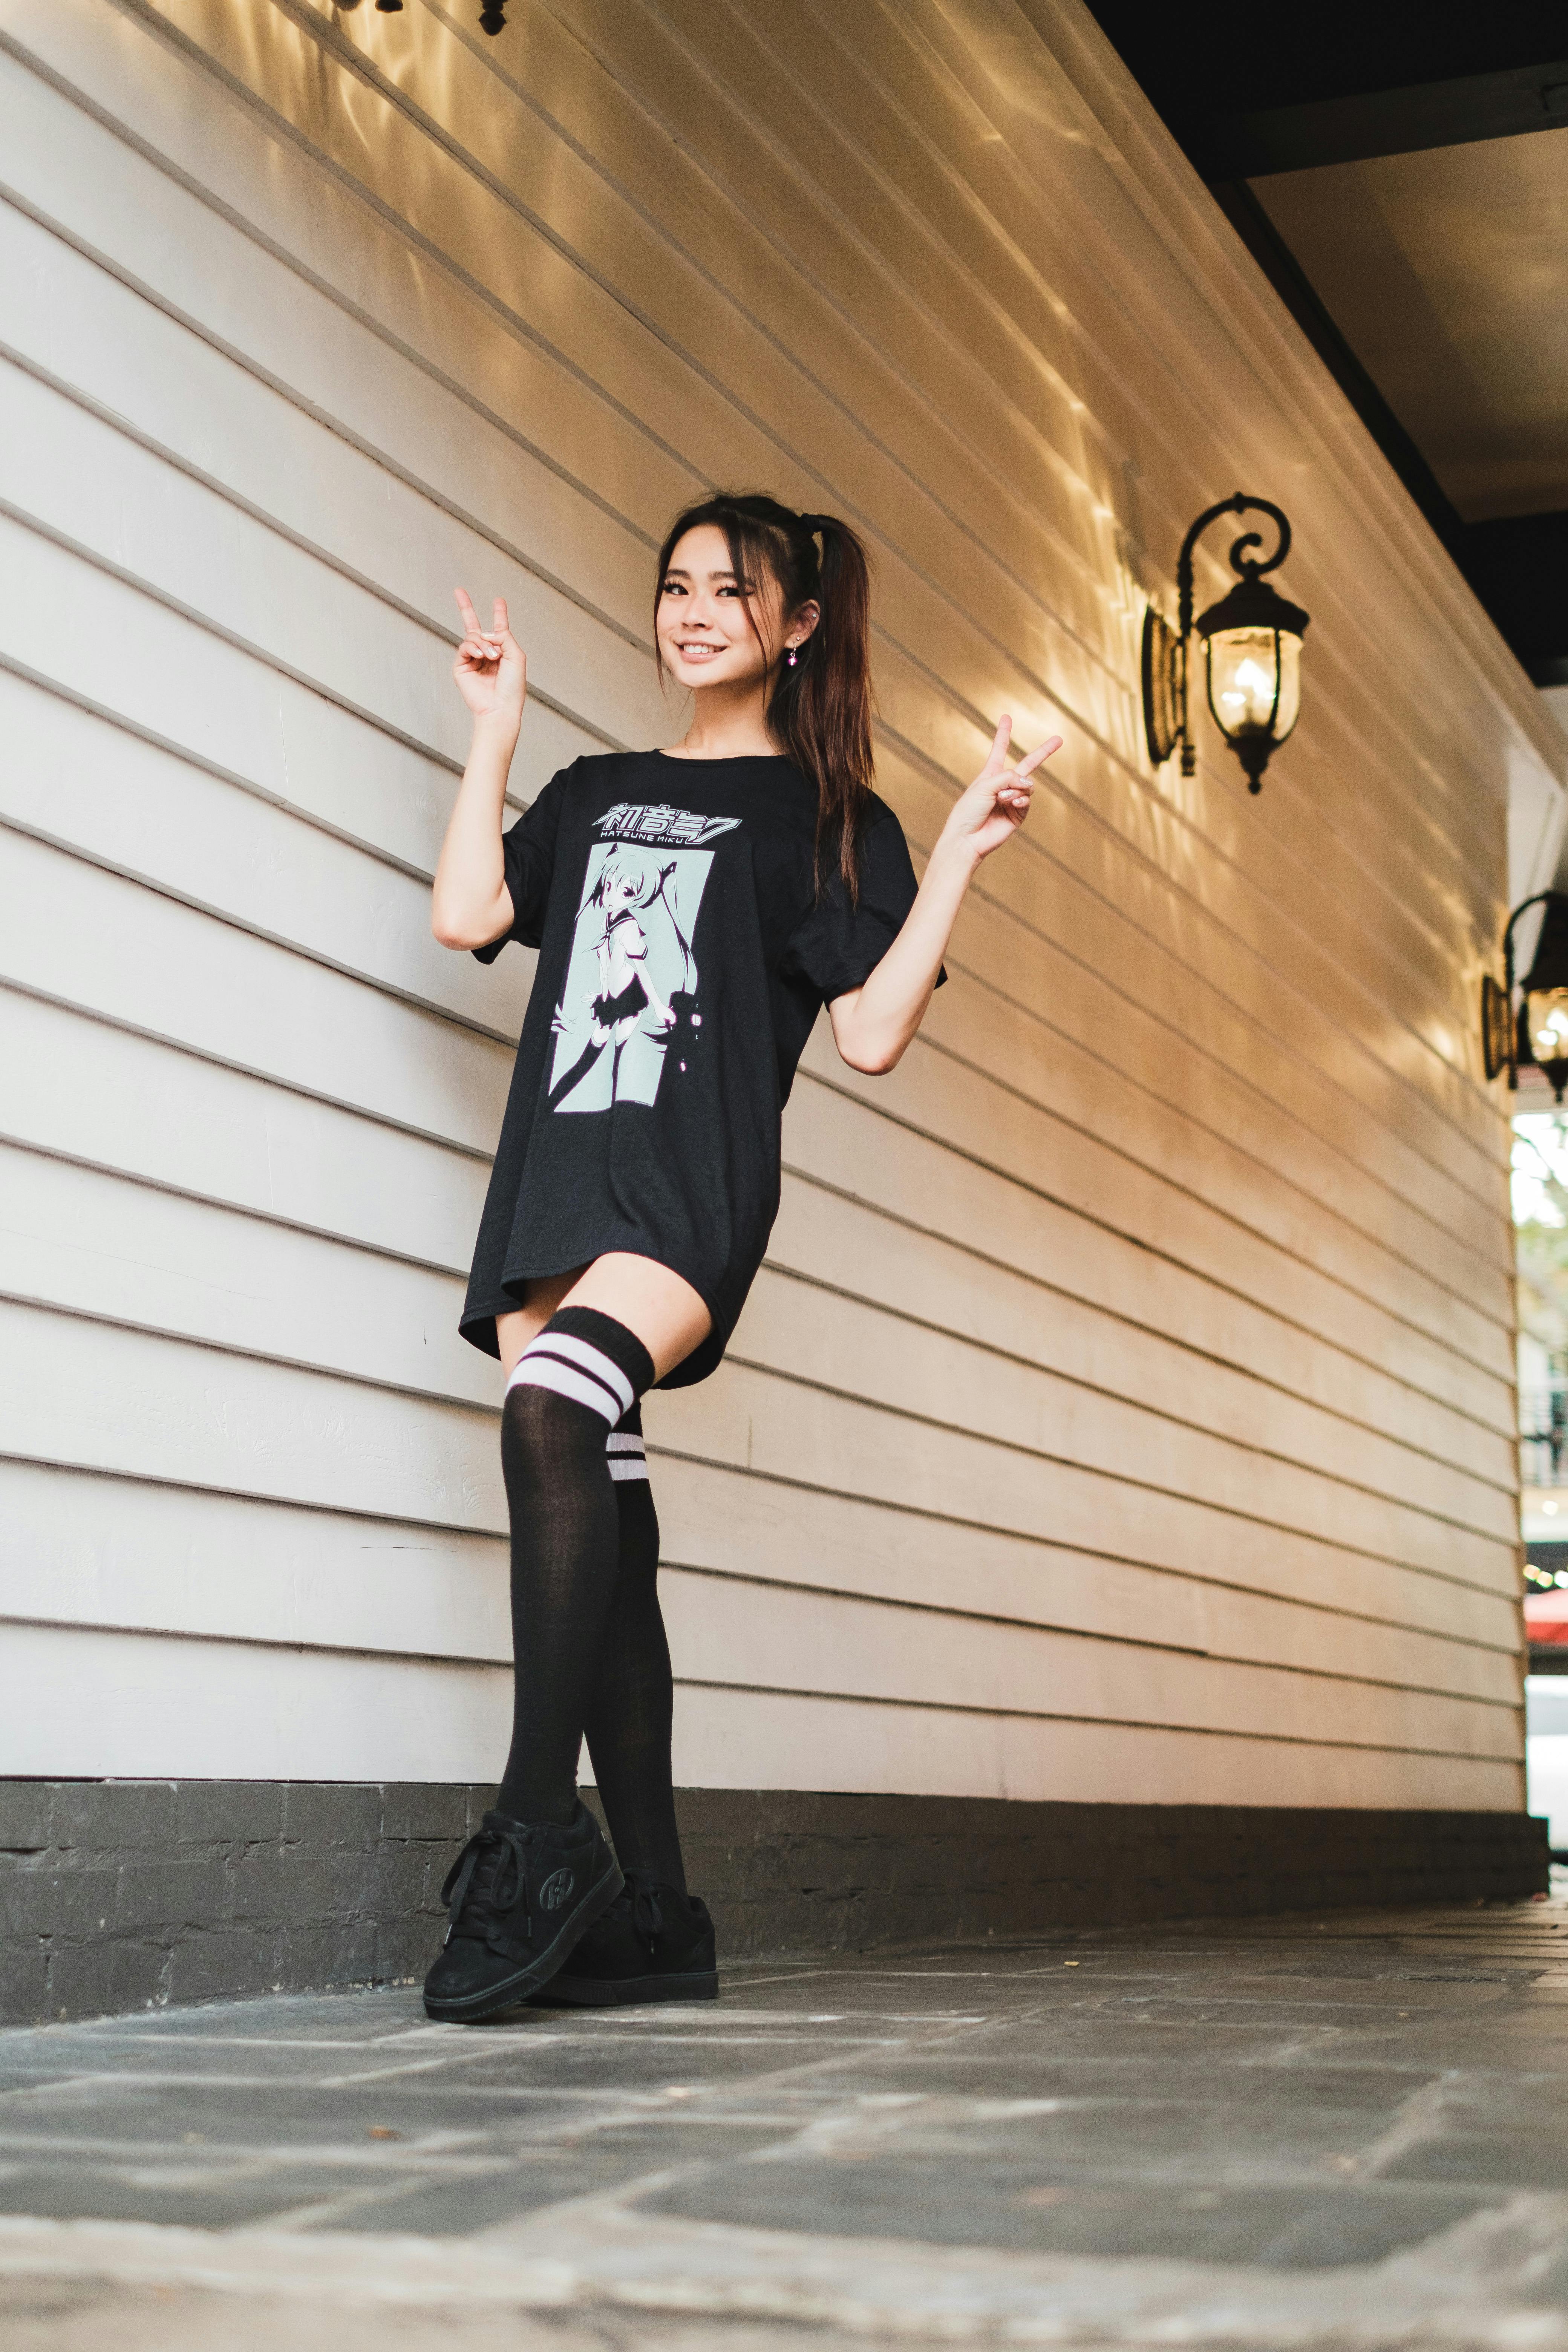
x=941, y=1286
x=174, y=135
x=85, y=1089
x=936, y=1095
x=292, y=600
x=888, y=1655
x=120, y=949
x=191, y=1708
x=85, y=1705
x=122, y=1553
x=162, y=675
x=136, y=809
x=726, y=1519
x=837, y=1142
x=97, y=1245
x=731, y=1738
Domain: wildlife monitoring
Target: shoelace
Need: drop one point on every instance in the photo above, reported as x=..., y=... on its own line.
x=648, y=1917
x=507, y=1854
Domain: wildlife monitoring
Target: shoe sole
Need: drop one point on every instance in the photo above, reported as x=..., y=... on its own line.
x=516, y=1989
x=600, y=1992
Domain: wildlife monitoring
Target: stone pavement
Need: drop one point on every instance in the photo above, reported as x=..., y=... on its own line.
x=1305, y=2133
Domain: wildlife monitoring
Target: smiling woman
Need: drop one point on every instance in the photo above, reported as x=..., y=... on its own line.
x=693, y=909
x=817, y=609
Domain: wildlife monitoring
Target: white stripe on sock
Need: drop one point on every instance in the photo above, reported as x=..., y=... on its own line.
x=592, y=1359
x=537, y=1370
x=626, y=1466
x=628, y=1444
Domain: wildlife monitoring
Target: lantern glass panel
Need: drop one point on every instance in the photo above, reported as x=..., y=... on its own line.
x=1546, y=1017
x=1255, y=681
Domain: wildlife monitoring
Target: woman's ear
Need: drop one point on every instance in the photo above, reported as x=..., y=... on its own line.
x=805, y=623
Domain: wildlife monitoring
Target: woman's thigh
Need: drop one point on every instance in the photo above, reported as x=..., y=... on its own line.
x=541, y=1301
x=659, y=1307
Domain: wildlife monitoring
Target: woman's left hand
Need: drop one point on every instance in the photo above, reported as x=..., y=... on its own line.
x=997, y=802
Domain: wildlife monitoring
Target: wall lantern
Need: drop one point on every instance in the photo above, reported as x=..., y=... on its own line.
x=1252, y=654
x=1538, y=1035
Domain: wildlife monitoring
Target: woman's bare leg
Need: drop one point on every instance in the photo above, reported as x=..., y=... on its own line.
x=659, y=1307
x=514, y=1331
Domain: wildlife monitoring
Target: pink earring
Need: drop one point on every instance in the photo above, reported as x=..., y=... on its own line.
x=792, y=657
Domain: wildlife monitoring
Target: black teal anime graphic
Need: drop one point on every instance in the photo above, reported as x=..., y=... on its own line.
x=631, y=994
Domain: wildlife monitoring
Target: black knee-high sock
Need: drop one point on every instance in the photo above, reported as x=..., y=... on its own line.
x=631, y=1701
x=571, y=1385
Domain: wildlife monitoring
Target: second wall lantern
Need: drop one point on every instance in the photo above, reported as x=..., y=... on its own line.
x=1252, y=654
x=1536, y=1036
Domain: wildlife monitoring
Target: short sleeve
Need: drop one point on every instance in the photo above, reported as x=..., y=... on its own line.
x=527, y=858
x=839, y=944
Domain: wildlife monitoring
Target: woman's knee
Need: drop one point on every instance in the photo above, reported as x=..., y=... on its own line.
x=544, y=1435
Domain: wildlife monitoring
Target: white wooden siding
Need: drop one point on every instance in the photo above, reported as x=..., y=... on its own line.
x=1125, y=1411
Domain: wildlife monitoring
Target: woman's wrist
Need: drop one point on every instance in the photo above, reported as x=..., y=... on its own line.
x=956, y=854
x=495, y=733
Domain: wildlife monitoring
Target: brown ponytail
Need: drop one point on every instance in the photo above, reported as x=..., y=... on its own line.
x=819, y=712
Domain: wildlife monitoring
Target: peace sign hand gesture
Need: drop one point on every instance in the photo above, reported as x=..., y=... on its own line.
x=997, y=802
x=492, y=668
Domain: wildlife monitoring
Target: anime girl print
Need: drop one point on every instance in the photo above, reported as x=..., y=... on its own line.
x=631, y=978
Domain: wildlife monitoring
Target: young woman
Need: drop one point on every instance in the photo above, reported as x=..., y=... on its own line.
x=693, y=909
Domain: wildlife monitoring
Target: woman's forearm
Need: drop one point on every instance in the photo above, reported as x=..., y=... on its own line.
x=872, y=1026
x=471, y=904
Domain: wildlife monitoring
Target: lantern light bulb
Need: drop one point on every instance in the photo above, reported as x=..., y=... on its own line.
x=1549, y=1032
x=1251, y=685
x=1255, y=682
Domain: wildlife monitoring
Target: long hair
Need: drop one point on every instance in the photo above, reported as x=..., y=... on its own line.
x=647, y=877
x=819, y=712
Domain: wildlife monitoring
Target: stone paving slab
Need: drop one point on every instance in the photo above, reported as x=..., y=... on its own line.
x=1351, y=2132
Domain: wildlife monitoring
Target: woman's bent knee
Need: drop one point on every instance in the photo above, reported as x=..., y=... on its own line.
x=544, y=1434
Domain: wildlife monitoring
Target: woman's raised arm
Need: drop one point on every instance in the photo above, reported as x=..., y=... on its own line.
x=471, y=904
x=872, y=1025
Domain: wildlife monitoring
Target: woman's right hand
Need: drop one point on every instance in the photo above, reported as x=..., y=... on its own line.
x=492, y=668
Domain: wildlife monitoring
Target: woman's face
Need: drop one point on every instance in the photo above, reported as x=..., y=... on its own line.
x=704, y=634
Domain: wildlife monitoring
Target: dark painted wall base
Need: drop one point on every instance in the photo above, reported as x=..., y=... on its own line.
x=119, y=1894
x=843, y=1872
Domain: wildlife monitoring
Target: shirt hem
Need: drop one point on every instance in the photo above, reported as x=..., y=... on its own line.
x=477, y=1324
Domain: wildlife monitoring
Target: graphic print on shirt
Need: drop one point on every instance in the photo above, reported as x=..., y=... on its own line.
x=630, y=991
x=635, y=821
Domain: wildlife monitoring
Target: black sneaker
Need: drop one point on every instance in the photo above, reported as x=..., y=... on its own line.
x=653, y=1943
x=521, y=1893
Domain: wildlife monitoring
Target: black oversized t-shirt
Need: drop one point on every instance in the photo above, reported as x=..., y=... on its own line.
x=684, y=953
